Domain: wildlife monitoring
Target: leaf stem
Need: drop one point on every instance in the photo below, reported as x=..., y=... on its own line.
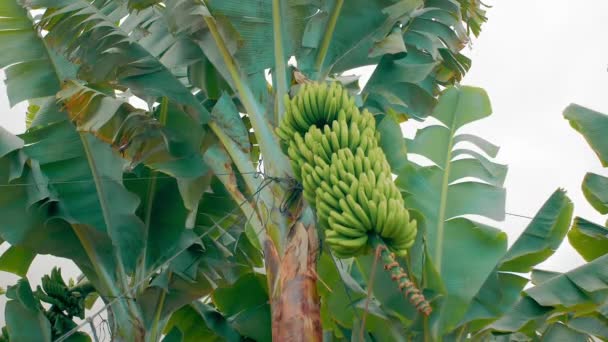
x=159, y=308
x=277, y=162
x=329, y=32
x=445, y=182
x=151, y=191
x=240, y=159
x=461, y=333
x=254, y=184
x=100, y=271
x=280, y=69
x=101, y=196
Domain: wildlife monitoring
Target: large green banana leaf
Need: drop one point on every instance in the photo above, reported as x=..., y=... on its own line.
x=24, y=318
x=201, y=322
x=36, y=219
x=29, y=73
x=461, y=251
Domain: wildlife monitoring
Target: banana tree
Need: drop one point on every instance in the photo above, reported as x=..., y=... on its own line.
x=153, y=161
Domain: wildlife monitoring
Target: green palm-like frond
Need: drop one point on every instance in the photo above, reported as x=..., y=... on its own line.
x=459, y=182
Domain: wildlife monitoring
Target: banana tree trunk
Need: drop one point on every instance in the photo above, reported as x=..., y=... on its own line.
x=295, y=301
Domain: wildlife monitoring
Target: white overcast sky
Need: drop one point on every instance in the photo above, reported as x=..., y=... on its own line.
x=534, y=57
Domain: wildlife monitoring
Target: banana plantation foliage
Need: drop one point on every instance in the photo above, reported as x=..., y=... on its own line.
x=217, y=173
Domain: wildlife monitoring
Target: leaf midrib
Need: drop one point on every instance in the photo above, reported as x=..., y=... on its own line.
x=104, y=205
x=444, y=192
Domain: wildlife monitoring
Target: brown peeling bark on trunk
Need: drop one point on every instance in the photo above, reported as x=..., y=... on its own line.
x=295, y=304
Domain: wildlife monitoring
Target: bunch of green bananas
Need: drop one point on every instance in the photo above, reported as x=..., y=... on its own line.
x=65, y=302
x=333, y=148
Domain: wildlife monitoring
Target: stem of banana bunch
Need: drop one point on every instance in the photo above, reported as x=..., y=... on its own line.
x=399, y=276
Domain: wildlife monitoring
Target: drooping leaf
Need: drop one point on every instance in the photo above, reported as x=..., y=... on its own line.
x=540, y=276
x=392, y=44
x=48, y=113
x=595, y=189
x=172, y=147
x=246, y=306
x=589, y=239
x=433, y=36
x=29, y=73
x=496, y=296
x=17, y=260
x=560, y=332
x=473, y=14
x=593, y=126
x=201, y=322
x=584, y=288
x=92, y=192
x=24, y=319
x=590, y=325
x=29, y=211
x=360, y=25
x=8, y=142
x=521, y=316
x=540, y=239
x=164, y=215
x=88, y=33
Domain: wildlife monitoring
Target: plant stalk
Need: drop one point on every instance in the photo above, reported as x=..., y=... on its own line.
x=121, y=273
x=254, y=184
x=329, y=32
x=277, y=162
x=159, y=309
x=120, y=309
x=280, y=69
x=151, y=191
